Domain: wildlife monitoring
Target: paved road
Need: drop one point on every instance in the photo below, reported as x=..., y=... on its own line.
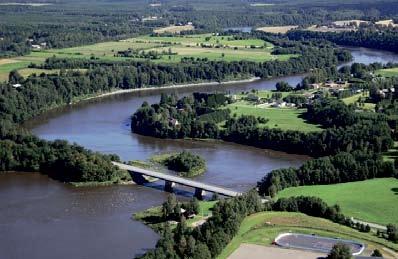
x=179, y=180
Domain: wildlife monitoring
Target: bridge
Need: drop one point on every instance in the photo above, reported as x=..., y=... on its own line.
x=139, y=174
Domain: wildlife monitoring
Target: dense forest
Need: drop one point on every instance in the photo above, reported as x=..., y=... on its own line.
x=386, y=39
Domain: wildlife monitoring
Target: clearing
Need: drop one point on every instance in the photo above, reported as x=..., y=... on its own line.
x=370, y=200
x=175, y=29
x=259, y=252
x=281, y=118
x=262, y=228
x=277, y=29
x=388, y=72
x=152, y=217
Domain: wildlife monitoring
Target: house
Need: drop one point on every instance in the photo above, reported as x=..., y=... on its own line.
x=43, y=44
x=314, y=86
x=173, y=122
x=16, y=85
x=34, y=46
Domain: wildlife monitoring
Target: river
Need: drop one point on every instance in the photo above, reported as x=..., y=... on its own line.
x=42, y=218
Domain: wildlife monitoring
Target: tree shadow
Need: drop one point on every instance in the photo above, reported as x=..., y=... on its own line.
x=395, y=190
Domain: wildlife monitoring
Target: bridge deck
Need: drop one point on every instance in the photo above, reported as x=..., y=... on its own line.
x=179, y=180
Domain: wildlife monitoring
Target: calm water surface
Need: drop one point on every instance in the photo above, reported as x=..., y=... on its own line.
x=42, y=218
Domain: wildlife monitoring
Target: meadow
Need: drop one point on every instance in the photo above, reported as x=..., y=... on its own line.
x=282, y=118
x=370, y=200
x=262, y=228
x=388, y=72
x=217, y=48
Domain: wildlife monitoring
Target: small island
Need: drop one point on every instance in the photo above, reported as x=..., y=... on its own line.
x=184, y=163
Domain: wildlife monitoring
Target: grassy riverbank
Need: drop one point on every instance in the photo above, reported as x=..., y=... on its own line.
x=262, y=228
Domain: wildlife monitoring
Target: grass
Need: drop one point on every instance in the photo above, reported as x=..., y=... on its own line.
x=356, y=97
x=185, y=46
x=276, y=29
x=388, y=72
x=174, y=29
x=152, y=217
x=391, y=154
x=371, y=200
x=281, y=118
x=262, y=228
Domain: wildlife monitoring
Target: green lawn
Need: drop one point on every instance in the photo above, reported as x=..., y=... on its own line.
x=262, y=228
x=388, y=72
x=371, y=200
x=282, y=118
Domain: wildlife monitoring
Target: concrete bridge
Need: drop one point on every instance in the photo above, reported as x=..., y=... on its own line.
x=139, y=174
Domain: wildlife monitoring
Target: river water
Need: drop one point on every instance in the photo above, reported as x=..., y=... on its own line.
x=42, y=218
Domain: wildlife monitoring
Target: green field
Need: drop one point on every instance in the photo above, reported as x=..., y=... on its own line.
x=262, y=228
x=356, y=97
x=282, y=118
x=388, y=72
x=222, y=48
x=371, y=200
x=391, y=154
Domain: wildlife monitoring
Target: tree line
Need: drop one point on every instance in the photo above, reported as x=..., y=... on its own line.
x=386, y=39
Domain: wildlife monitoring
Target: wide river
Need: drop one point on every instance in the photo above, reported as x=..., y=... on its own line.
x=42, y=218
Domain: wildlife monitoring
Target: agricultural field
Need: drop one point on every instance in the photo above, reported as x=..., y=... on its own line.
x=388, y=72
x=368, y=200
x=277, y=29
x=282, y=118
x=191, y=46
x=174, y=29
x=262, y=228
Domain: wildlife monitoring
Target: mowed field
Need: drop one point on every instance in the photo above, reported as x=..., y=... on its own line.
x=388, y=72
x=190, y=46
x=277, y=29
x=281, y=118
x=371, y=200
x=262, y=228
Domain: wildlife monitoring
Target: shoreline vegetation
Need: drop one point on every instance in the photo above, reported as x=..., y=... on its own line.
x=173, y=86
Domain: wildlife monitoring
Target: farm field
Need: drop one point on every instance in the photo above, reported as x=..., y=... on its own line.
x=368, y=200
x=174, y=29
x=217, y=48
x=277, y=29
x=262, y=228
x=388, y=72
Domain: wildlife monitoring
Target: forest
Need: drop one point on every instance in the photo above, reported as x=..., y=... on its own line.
x=386, y=39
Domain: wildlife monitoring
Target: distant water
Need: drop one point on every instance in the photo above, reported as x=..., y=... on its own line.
x=242, y=29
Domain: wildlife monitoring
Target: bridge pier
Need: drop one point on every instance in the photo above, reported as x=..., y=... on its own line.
x=199, y=193
x=138, y=178
x=168, y=186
